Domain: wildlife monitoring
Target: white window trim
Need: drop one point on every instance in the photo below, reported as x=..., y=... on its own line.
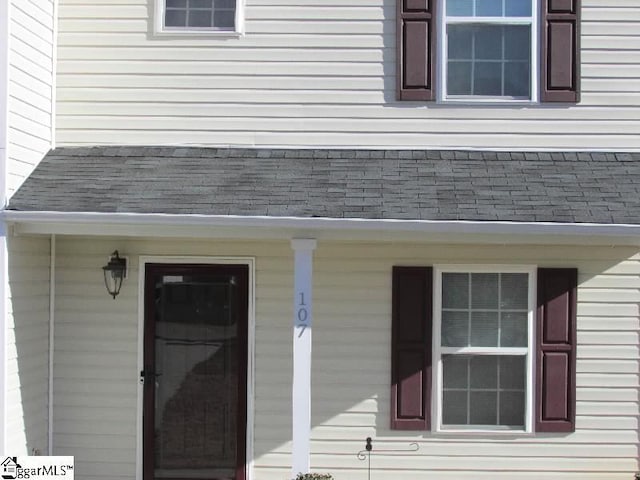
x=436, y=404
x=160, y=30
x=441, y=45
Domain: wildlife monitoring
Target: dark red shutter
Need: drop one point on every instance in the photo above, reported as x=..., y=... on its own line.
x=415, y=22
x=560, y=50
x=411, y=348
x=556, y=350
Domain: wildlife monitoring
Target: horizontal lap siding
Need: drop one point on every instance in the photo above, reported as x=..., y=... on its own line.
x=96, y=371
x=96, y=376
x=30, y=87
x=351, y=370
x=28, y=346
x=319, y=74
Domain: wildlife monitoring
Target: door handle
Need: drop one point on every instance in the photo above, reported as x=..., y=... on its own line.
x=148, y=375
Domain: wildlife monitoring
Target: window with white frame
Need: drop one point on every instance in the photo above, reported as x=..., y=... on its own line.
x=483, y=345
x=197, y=16
x=488, y=49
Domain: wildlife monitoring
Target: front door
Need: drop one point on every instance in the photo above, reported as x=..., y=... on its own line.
x=195, y=372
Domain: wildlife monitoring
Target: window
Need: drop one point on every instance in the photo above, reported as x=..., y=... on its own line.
x=197, y=16
x=483, y=349
x=488, y=50
x=483, y=318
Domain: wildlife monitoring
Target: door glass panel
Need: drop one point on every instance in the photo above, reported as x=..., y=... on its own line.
x=196, y=376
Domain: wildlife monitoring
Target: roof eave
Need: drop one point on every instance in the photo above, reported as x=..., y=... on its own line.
x=179, y=225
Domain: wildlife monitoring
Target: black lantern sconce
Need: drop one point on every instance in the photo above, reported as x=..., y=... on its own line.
x=114, y=272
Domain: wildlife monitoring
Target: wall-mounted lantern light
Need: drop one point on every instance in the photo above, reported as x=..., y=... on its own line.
x=114, y=273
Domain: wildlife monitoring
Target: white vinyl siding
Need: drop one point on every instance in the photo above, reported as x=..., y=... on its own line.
x=96, y=371
x=27, y=346
x=309, y=73
x=351, y=393
x=30, y=87
x=97, y=375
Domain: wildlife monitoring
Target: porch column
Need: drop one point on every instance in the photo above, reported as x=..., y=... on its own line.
x=302, y=320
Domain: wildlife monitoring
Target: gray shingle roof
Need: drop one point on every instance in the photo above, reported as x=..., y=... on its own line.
x=372, y=184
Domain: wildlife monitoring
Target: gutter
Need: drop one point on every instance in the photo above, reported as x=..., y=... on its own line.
x=51, y=333
x=134, y=220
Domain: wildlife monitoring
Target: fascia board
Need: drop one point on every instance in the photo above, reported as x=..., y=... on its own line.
x=141, y=224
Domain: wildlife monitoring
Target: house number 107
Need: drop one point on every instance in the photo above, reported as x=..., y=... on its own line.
x=302, y=315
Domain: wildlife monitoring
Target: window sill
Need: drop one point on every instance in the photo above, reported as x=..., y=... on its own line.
x=198, y=33
x=476, y=432
x=488, y=102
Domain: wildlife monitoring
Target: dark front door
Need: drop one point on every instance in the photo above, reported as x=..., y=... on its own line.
x=195, y=371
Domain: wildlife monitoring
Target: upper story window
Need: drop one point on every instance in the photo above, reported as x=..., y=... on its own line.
x=488, y=50
x=198, y=16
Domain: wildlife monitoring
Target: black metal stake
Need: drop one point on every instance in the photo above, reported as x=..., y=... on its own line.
x=369, y=447
x=366, y=453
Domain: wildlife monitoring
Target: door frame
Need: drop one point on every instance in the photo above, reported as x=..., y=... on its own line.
x=143, y=260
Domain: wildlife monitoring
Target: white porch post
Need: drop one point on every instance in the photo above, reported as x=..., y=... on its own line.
x=302, y=320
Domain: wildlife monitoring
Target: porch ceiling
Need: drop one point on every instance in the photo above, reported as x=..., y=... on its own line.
x=600, y=188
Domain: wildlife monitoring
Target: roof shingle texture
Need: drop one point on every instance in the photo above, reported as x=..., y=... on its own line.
x=370, y=184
